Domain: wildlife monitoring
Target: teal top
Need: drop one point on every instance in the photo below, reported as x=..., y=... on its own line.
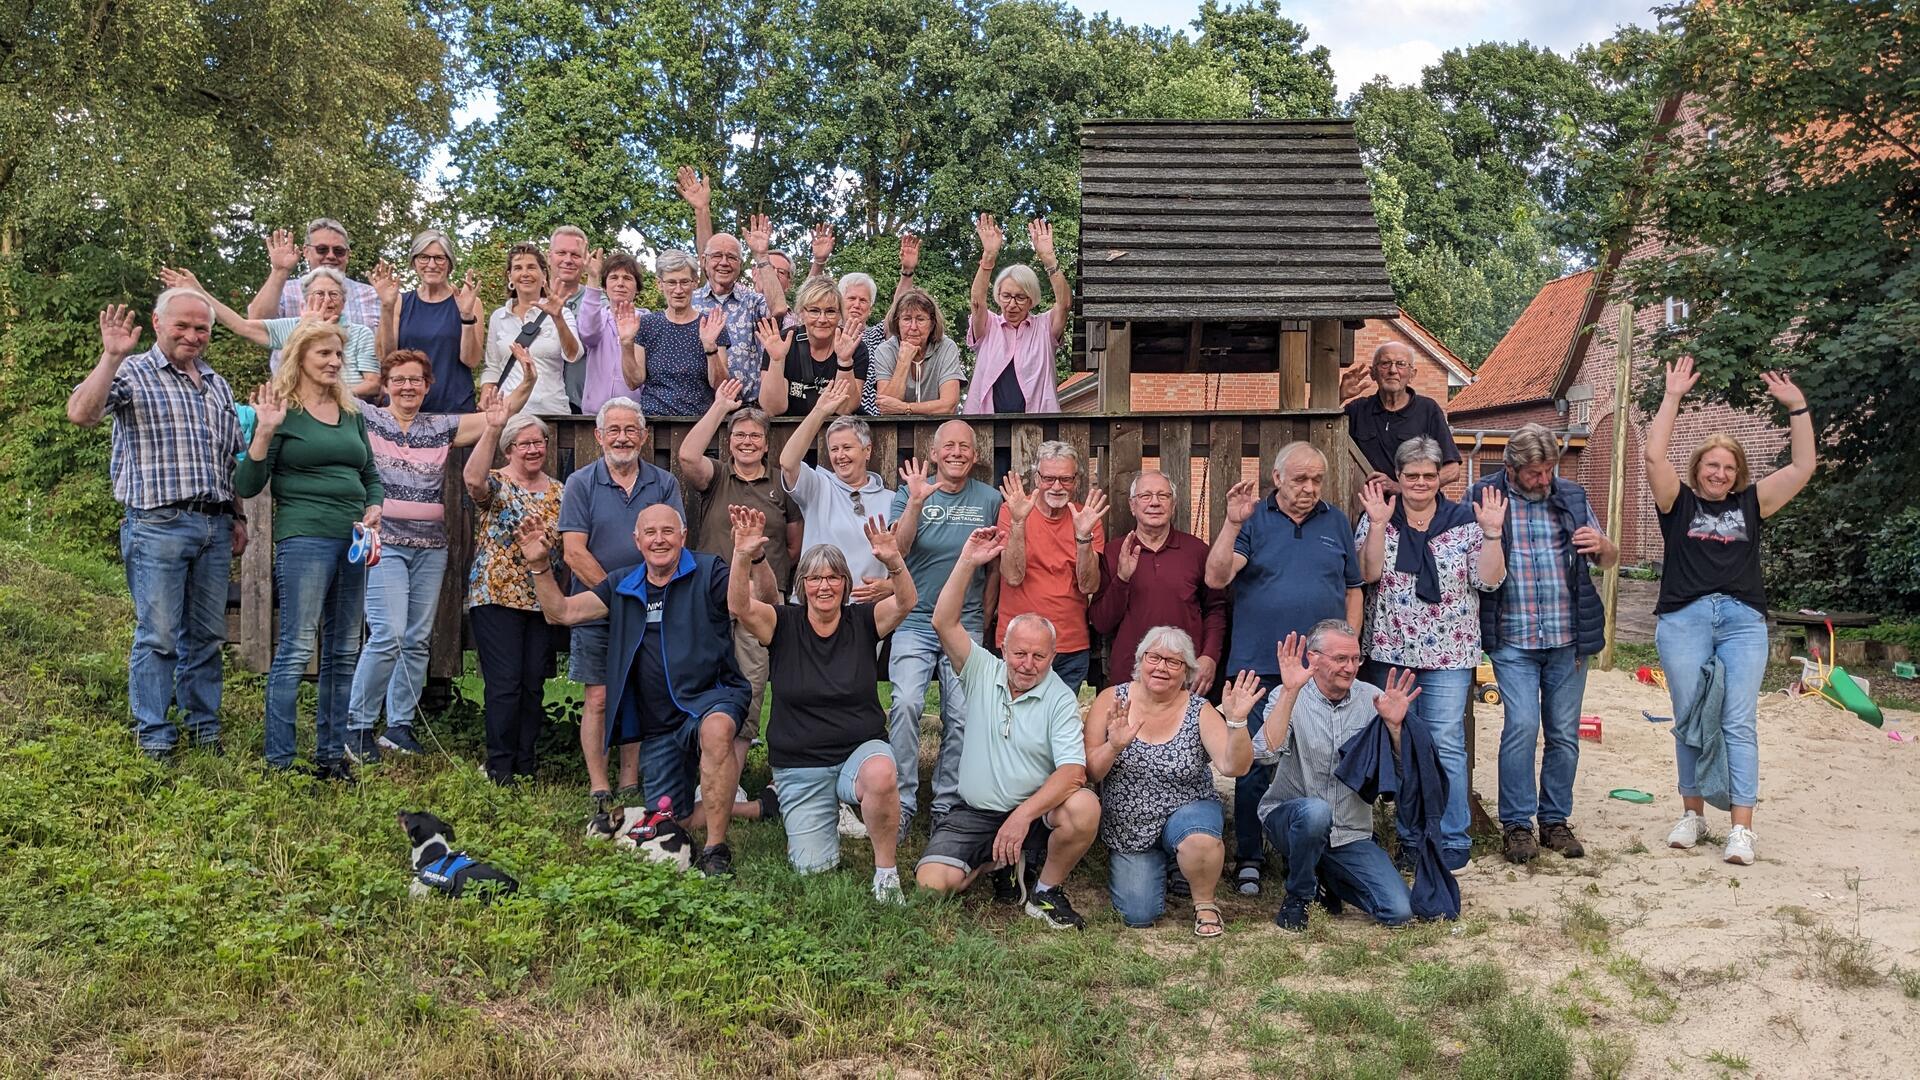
x=1013, y=744
x=323, y=476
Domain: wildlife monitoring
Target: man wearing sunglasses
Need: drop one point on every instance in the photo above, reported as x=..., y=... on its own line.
x=282, y=297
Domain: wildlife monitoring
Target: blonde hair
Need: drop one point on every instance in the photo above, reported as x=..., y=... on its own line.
x=1720, y=440
x=286, y=377
x=816, y=289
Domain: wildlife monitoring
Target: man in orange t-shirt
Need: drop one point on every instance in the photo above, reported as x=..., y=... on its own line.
x=1051, y=567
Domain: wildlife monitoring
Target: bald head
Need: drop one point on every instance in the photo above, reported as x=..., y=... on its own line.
x=723, y=260
x=953, y=454
x=661, y=534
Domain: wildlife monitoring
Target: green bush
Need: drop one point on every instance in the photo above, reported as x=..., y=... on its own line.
x=1842, y=546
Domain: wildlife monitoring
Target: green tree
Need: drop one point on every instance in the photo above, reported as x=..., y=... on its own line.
x=1270, y=52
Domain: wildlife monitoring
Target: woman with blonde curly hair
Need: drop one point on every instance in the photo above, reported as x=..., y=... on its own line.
x=310, y=443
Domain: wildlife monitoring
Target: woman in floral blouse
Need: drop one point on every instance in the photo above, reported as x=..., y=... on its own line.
x=1428, y=559
x=509, y=632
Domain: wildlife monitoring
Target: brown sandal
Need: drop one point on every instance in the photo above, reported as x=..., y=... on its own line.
x=1204, y=927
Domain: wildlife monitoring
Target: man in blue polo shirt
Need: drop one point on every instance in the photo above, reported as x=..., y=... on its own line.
x=1290, y=560
x=598, y=510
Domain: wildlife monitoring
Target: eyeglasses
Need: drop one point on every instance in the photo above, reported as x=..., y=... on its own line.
x=812, y=581
x=1156, y=660
x=747, y=436
x=430, y=260
x=1056, y=481
x=1403, y=365
x=1006, y=720
x=819, y=312
x=525, y=445
x=723, y=256
x=339, y=250
x=406, y=380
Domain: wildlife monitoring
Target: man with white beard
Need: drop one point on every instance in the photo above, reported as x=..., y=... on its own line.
x=1051, y=566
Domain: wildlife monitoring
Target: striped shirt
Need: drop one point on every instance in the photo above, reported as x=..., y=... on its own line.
x=362, y=307
x=413, y=469
x=172, y=441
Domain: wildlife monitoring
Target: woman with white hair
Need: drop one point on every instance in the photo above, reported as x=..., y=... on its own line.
x=1013, y=348
x=323, y=292
x=677, y=356
x=1154, y=744
x=836, y=501
x=435, y=318
x=509, y=632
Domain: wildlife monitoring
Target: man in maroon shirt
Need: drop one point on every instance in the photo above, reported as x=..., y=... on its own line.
x=1154, y=577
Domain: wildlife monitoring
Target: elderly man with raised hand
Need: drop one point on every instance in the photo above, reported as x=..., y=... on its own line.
x=1538, y=628
x=1291, y=564
x=1394, y=413
x=837, y=501
x=1052, y=564
x=724, y=261
x=1023, y=761
x=1156, y=576
x=175, y=437
x=675, y=693
x=283, y=296
x=936, y=508
x=598, y=509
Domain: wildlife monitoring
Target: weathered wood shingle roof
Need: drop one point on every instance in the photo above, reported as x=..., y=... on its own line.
x=1227, y=220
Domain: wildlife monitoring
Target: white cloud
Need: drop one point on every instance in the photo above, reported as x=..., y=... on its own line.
x=1400, y=61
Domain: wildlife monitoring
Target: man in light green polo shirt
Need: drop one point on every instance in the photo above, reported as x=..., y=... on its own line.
x=1023, y=760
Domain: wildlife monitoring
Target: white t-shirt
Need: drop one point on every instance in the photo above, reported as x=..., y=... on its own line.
x=831, y=518
x=550, y=392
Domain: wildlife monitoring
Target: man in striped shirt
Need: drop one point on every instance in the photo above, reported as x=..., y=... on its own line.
x=175, y=438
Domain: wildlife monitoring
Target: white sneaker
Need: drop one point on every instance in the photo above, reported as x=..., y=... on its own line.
x=850, y=823
x=1740, y=845
x=888, y=891
x=1688, y=831
x=739, y=795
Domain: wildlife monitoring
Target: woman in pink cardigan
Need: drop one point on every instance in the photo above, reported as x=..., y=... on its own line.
x=1013, y=348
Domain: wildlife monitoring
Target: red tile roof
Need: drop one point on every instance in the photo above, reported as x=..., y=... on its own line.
x=1527, y=363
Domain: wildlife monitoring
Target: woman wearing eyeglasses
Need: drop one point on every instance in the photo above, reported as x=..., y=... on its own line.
x=1013, y=348
x=435, y=319
x=837, y=502
x=410, y=449
x=804, y=360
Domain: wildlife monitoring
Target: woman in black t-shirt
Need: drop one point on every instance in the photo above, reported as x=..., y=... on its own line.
x=803, y=359
x=1713, y=604
x=827, y=735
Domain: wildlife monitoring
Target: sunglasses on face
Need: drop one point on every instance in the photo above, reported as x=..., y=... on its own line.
x=338, y=250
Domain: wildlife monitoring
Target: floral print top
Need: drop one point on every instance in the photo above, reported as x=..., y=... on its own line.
x=1403, y=631
x=499, y=572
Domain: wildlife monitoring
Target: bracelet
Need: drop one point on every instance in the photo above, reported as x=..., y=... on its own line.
x=1495, y=537
x=844, y=367
x=713, y=351
x=1241, y=726
x=761, y=559
x=1078, y=539
x=906, y=273
x=547, y=569
x=902, y=570
x=1054, y=269
x=468, y=322
x=1801, y=411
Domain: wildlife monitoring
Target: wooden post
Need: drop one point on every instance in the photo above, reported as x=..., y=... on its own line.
x=255, y=647
x=1293, y=366
x=1617, y=478
x=1323, y=364
x=1116, y=371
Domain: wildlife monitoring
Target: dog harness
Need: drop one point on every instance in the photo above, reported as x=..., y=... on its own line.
x=650, y=827
x=440, y=874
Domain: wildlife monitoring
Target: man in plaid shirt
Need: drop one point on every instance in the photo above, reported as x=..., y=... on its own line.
x=1539, y=628
x=175, y=439
x=282, y=296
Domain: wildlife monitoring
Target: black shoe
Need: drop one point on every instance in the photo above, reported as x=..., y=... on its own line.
x=362, y=748
x=1517, y=843
x=1403, y=861
x=769, y=803
x=1006, y=889
x=335, y=770
x=399, y=739
x=716, y=861
x=1292, y=916
x=1557, y=836
x=159, y=755
x=1050, y=906
x=1328, y=900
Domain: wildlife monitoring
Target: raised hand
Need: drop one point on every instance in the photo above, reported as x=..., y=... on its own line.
x=880, y=540
x=1122, y=723
x=1240, y=696
x=466, y=296
x=1041, y=234
x=693, y=187
x=626, y=320
x=1681, y=377
x=269, y=412
x=532, y=535
x=596, y=263
x=1129, y=560
x=1375, y=500
x=282, y=253
x=822, y=243
x=119, y=331
x=310, y=310
x=846, y=339
x=767, y=330
x=749, y=530
x=496, y=413
x=872, y=590
x=1019, y=503
x=551, y=300
x=712, y=325
x=837, y=393
x=1780, y=385
x=1292, y=654
x=726, y=396
x=909, y=254
x=758, y=235
x=527, y=370
x=1396, y=695
x=917, y=477
x=992, y=237
x=179, y=278
x=1089, y=516
x=983, y=546
x=1490, y=511
x=1241, y=499
x=489, y=393
x=386, y=286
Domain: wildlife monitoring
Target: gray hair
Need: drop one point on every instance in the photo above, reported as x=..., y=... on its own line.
x=857, y=278
x=1055, y=450
x=1386, y=347
x=1418, y=448
x=1326, y=628
x=819, y=557
x=1530, y=445
x=674, y=260
x=771, y=252
x=165, y=300
x=519, y=422
x=568, y=230
x=338, y=278
x=854, y=424
x=1286, y=453
x=1030, y=618
x=1173, y=639
x=1134, y=487
x=1023, y=278
x=329, y=224
x=749, y=415
x=627, y=403
x=426, y=237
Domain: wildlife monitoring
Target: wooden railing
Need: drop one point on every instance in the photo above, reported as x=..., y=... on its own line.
x=1218, y=448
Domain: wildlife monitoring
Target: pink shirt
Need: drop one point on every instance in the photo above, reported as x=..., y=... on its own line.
x=1028, y=347
x=602, y=343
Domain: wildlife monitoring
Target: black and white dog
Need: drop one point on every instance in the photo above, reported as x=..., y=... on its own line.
x=653, y=834
x=439, y=868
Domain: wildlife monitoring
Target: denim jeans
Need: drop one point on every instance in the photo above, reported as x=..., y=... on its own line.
x=1249, y=843
x=403, y=592
x=322, y=600
x=1538, y=688
x=1359, y=873
x=177, y=563
x=670, y=767
x=1718, y=625
x=1072, y=668
x=810, y=801
x=916, y=654
x=1443, y=705
x=1137, y=880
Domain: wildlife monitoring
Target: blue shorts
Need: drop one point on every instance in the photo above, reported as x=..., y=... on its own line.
x=810, y=801
x=587, y=654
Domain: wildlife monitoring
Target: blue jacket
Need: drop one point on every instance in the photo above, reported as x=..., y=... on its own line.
x=1413, y=779
x=1699, y=728
x=1570, y=512
x=697, y=644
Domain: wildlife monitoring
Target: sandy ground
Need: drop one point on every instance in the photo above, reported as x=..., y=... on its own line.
x=1735, y=947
